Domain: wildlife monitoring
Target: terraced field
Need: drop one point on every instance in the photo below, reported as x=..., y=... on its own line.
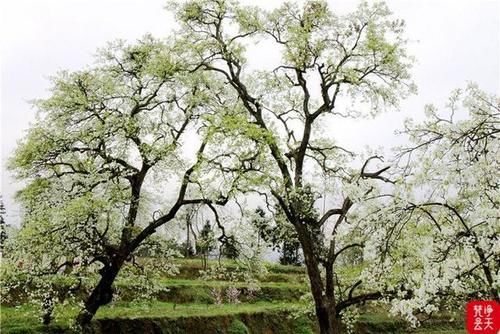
x=188, y=307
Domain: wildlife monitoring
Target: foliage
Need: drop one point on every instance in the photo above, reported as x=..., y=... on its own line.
x=93, y=159
x=110, y=143
x=231, y=249
x=158, y=246
x=451, y=244
x=302, y=325
x=205, y=242
x=237, y=327
x=358, y=61
x=42, y=291
x=143, y=276
x=232, y=292
x=280, y=236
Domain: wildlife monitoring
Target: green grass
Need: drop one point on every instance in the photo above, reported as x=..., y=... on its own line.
x=190, y=268
x=23, y=319
x=189, y=299
x=16, y=318
x=283, y=269
x=380, y=322
x=237, y=327
x=170, y=310
x=271, y=267
x=199, y=291
x=198, y=282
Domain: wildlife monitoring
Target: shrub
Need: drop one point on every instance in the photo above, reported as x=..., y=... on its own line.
x=238, y=327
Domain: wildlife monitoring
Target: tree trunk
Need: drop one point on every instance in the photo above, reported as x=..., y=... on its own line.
x=101, y=295
x=328, y=321
x=495, y=295
x=188, y=243
x=324, y=306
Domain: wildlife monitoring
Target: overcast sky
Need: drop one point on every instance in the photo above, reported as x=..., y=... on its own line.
x=454, y=42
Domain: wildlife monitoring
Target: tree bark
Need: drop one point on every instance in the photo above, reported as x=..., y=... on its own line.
x=324, y=305
x=495, y=295
x=101, y=295
x=188, y=242
x=328, y=321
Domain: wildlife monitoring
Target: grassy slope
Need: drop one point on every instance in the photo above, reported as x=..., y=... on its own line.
x=24, y=318
x=376, y=323
x=190, y=299
x=170, y=282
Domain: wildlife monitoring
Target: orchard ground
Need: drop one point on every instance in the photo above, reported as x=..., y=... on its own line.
x=188, y=307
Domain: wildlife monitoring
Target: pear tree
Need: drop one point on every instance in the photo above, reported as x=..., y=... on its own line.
x=106, y=163
x=328, y=67
x=451, y=173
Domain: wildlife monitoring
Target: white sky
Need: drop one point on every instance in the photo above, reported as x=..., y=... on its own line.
x=454, y=42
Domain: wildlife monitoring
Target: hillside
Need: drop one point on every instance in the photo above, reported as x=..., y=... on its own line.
x=189, y=307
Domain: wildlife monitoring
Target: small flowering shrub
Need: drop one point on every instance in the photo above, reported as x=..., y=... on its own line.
x=231, y=294
x=48, y=285
x=137, y=284
x=44, y=291
x=217, y=295
x=349, y=318
x=253, y=289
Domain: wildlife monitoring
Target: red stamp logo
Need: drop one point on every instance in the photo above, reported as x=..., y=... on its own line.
x=483, y=317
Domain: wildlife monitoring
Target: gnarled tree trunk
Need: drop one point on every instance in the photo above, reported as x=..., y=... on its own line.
x=101, y=295
x=328, y=321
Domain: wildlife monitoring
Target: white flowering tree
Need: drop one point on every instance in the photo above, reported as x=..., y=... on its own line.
x=105, y=165
x=451, y=241
x=329, y=67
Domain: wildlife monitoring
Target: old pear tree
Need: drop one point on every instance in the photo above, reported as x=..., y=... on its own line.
x=449, y=249
x=106, y=163
x=329, y=67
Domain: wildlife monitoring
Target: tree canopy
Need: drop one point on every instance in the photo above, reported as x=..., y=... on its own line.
x=118, y=150
x=93, y=158
x=359, y=58
x=451, y=223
